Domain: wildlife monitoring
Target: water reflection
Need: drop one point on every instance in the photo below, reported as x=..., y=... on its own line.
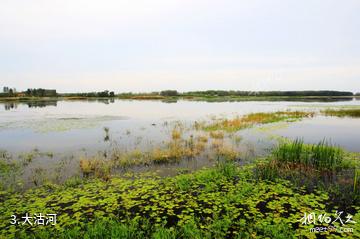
x=54, y=103
x=76, y=128
x=292, y=99
x=107, y=101
x=41, y=104
x=10, y=106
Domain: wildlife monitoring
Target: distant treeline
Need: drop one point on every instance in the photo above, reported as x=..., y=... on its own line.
x=215, y=93
x=40, y=92
x=11, y=92
x=267, y=93
x=104, y=93
x=223, y=93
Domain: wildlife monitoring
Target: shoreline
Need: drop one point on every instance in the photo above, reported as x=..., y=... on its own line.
x=174, y=98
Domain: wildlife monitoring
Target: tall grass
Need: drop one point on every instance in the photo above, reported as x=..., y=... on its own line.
x=320, y=166
x=356, y=180
x=323, y=155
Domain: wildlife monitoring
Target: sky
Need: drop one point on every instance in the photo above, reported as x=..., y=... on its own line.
x=144, y=45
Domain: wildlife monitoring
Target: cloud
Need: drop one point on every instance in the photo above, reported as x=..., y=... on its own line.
x=317, y=78
x=184, y=44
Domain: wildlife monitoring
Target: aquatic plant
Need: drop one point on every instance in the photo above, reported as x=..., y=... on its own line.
x=320, y=156
x=223, y=202
x=10, y=173
x=242, y=122
x=355, y=113
x=28, y=157
x=319, y=166
x=107, y=136
x=38, y=176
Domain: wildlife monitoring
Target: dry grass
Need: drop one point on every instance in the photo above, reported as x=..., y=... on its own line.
x=174, y=153
x=176, y=134
x=97, y=167
x=202, y=139
x=217, y=134
x=227, y=153
x=128, y=159
x=217, y=144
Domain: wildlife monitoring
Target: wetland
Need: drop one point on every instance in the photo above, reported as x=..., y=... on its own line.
x=178, y=169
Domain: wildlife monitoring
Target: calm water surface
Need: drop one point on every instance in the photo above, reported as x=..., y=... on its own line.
x=74, y=126
x=74, y=129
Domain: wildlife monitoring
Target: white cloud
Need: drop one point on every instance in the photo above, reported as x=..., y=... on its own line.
x=141, y=45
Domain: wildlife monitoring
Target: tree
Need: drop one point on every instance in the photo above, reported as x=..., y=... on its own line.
x=169, y=93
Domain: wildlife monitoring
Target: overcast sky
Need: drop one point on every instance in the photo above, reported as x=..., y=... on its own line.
x=144, y=45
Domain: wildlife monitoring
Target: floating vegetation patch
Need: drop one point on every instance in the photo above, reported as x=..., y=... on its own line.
x=273, y=127
x=354, y=113
x=59, y=124
x=242, y=122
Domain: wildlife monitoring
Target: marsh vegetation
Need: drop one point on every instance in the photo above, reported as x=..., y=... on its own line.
x=264, y=199
x=355, y=113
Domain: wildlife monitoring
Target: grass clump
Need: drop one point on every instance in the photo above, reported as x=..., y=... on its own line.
x=320, y=156
x=95, y=167
x=226, y=153
x=176, y=134
x=354, y=113
x=319, y=166
x=217, y=134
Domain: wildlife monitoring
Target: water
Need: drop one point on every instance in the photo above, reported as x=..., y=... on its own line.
x=69, y=129
x=71, y=126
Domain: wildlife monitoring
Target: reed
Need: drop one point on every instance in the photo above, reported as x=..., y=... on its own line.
x=320, y=156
